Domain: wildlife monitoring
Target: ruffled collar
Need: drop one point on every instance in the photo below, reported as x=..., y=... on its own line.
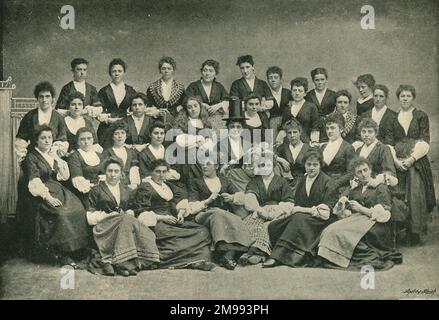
x=163, y=190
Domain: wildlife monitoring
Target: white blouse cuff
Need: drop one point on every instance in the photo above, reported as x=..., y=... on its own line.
x=94, y=217
x=38, y=189
x=147, y=218
x=81, y=184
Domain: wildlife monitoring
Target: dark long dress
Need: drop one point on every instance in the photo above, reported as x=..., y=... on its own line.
x=181, y=245
x=109, y=105
x=227, y=229
x=121, y=238
x=141, y=137
x=417, y=182
x=49, y=229
x=357, y=241
x=325, y=107
x=308, y=117
x=295, y=238
x=278, y=191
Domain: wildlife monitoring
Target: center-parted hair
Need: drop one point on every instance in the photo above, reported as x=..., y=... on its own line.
x=81, y=131
x=211, y=63
x=168, y=60
x=383, y=88
x=343, y=93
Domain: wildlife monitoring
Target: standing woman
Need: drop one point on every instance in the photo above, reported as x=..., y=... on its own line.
x=85, y=164
x=125, y=245
x=52, y=218
x=182, y=244
x=43, y=115
x=295, y=238
x=126, y=156
x=303, y=111
x=365, y=84
x=166, y=95
x=76, y=120
x=115, y=98
x=322, y=97
x=342, y=101
x=411, y=133
x=337, y=153
x=213, y=94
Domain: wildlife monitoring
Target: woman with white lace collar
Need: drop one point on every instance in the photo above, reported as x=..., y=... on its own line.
x=163, y=207
x=127, y=156
x=125, y=245
x=336, y=152
x=411, y=135
x=85, y=164
x=52, y=218
x=361, y=236
x=76, y=119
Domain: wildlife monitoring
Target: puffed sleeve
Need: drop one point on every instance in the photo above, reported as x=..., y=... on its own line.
x=424, y=127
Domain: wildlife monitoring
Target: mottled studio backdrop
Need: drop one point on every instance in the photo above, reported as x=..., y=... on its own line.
x=295, y=35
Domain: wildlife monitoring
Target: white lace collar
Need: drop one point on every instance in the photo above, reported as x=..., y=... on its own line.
x=254, y=120
x=163, y=190
x=74, y=124
x=90, y=157
x=213, y=184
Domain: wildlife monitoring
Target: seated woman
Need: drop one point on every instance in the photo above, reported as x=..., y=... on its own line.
x=337, y=153
x=291, y=152
x=213, y=94
x=85, y=164
x=411, y=134
x=153, y=151
x=365, y=84
x=255, y=117
x=182, y=244
x=349, y=132
x=306, y=113
x=295, y=238
x=230, y=236
x=52, y=218
x=127, y=156
x=116, y=100
x=362, y=235
x=125, y=245
x=267, y=196
x=76, y=120
x=166, y=95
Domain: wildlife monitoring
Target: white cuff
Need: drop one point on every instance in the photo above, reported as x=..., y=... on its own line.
x=147, y=218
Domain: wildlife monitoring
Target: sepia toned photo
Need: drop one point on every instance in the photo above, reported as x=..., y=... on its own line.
x=219, y=150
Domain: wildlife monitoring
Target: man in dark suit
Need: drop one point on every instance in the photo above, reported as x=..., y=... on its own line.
x=281, y=97
x=322, y=97
x=249, y=83
x=79, y=70
x=381, y=114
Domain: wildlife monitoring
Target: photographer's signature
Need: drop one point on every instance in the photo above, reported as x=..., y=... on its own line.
x=418, y=292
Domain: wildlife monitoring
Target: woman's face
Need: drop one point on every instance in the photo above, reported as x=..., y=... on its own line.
x=85, y=141
x=208, y=73
x=333, y=131
x=113, y=173
x=167, y=71
x=264, y=168
x=209, y=169
x=364, y=89
x=298, y=93
x=158, y=175
x=44, y=141
x=406, y=99
x=320, y=82
x=293, y=135
x=368, y=135
x=249, y=169
x=247, y=70
x=252, y=106
x=379, y=98
x=138, y=107
x=193, y=109
x=235, y=129
x=342, y=104
x=363, y=173
x=274, y=81
x=157, y=136
x=119, y=137
x=80, y=72
x=117, y=73
x=312, y=167
x=76, y=108
x=45, y=100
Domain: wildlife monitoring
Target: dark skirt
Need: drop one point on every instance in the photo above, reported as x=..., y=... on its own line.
x=295, y=239
x=122, y=238
x=57, y=229
x=227, y=230
x=182, y=245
